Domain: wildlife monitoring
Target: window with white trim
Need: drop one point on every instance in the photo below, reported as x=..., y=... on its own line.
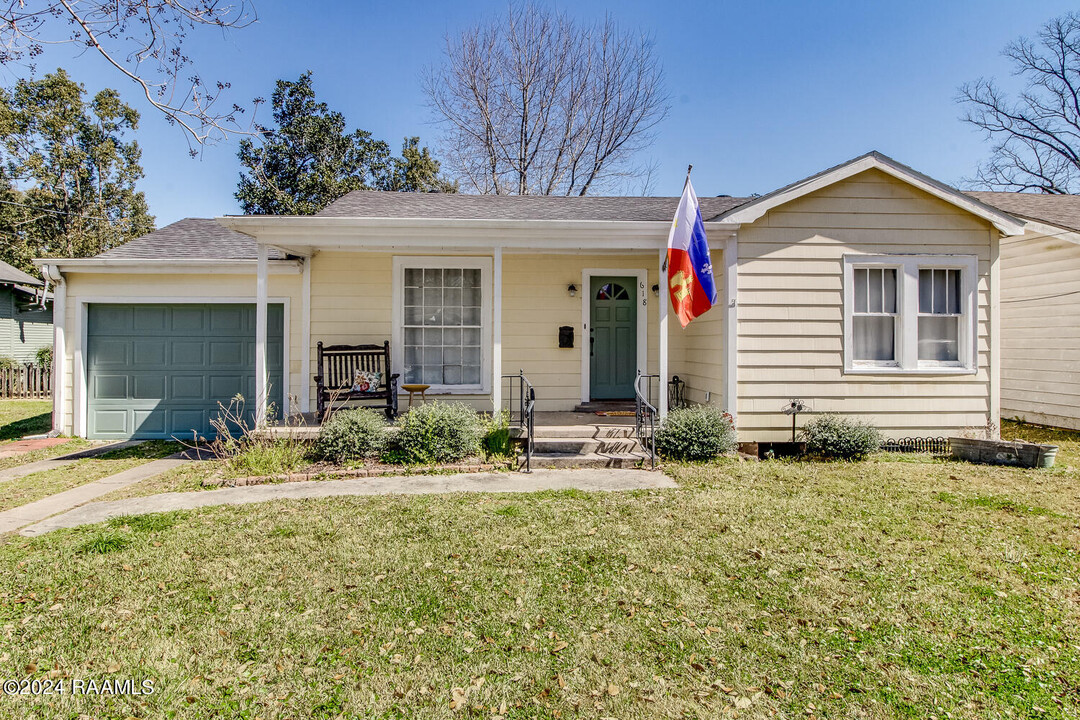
x=441, y=310
x=910, y=313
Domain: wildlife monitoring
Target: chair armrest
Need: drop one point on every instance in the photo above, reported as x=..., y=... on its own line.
x=318, y=379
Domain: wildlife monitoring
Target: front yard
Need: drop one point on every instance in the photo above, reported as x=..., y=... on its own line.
x=897, y=587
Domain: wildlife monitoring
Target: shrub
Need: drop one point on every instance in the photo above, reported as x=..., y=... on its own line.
x=267, y=457
x=9, y=363
x=698, y=432
x=496, y=441
x=839, y=437
x=439, y=432
x=351, y=435
x=43, y=357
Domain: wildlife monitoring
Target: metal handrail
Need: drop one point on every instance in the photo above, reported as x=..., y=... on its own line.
x=526, y=410
x=645, y=415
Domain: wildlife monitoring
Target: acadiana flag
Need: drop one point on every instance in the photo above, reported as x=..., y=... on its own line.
x=690, y=272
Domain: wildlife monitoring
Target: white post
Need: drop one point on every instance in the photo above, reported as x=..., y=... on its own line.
x=496, y=331
x=663, y=299
x=59, y=351
x=305, y=338
x=730, y=368
x=261, y=390
x=995, y=325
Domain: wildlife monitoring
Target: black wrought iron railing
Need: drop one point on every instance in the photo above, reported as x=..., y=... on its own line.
x=521, y=407
x=645, y=414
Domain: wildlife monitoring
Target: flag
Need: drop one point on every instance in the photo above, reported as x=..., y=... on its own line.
x=690, y=271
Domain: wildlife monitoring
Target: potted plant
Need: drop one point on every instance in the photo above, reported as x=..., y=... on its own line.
x=985, y=446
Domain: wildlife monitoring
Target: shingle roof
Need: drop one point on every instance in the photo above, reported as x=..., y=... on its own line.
x=190, y=238
x=9, y=274
x=373, y=203
x=1060, y=210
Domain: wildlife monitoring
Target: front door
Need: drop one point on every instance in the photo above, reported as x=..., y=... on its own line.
x=613, y=339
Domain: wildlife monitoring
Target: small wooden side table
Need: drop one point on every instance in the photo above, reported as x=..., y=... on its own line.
x=416, y=388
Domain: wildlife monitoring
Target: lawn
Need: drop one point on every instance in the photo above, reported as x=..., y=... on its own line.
x=24, y=417
x=898, y=587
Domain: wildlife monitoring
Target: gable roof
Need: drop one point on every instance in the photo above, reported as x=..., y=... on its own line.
x=756, y=208
x=459, y=206
x=10, y=274
x=190, y=238
x=1062, y=211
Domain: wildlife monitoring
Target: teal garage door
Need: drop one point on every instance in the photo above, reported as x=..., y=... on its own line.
x=159, y=371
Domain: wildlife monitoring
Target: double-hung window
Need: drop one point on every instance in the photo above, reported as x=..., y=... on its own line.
x=441, y=311
x=910, y=313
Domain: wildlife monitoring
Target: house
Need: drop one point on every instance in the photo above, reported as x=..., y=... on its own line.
x=25, y=322
x=868, y=289
x=1040, y=307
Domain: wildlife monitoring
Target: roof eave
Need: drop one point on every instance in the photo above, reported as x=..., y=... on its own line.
x=165, y=265
x=755, y=209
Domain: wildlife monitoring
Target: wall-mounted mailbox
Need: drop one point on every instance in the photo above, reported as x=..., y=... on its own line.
x=566, y=336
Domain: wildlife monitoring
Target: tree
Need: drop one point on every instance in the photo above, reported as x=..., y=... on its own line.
x=68, y=177
x=309, y=160
x=536, y=103
x=143, y=40
x=1036, y=137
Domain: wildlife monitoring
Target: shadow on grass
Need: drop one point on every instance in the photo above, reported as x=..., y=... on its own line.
x=34, y=425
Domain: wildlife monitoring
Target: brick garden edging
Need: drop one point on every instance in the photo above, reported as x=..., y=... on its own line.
x=370, y=471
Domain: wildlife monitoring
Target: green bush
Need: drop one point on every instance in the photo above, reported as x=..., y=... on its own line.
x=9, y=363
x=267, y=457
x=352, y=435
x=43, y=357
x=838, y=437
x=439, y=432
x=698, y=432
x=496, y=441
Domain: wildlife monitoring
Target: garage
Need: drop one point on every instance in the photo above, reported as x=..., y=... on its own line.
x=160, y=370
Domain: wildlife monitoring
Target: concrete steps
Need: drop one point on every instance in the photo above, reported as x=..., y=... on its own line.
x=586, y=446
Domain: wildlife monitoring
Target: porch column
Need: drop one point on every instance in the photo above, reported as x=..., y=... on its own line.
x=730, y=369
x=663, y=300
x=496, y=330
x=305, y=337
x=59, y=351
x=260, y=336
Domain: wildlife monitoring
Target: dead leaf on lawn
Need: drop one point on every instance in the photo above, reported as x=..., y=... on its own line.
x=559, y=646
x=612, y=689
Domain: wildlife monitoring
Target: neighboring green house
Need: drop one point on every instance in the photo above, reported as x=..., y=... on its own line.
x=25, y=325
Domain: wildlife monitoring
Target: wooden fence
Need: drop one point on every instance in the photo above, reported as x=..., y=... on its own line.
x=26, y=381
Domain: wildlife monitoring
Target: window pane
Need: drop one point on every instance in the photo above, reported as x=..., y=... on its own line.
x=433, y=374
x=413, y=373
x=874, y=338
x=471, y=375
x=889, y=280
x=470, y=336
x=954, y=292
x=470, y=278
x=452, y=374
x=413, y=277
x=414, y=316
x=432, y=277
x=453, y=278
x=926, y=291
x=940, y=294
x=939, y=339
x=860, y=290
x=874, y=301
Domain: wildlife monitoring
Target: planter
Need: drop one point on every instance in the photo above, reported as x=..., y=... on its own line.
x=1001, y=452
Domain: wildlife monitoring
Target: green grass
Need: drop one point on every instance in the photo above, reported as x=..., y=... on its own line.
x=881, y=589
x=35, y=486
x=24, y=417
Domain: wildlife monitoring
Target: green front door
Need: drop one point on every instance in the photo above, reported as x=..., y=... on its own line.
x=613, y=323
x=159, y=371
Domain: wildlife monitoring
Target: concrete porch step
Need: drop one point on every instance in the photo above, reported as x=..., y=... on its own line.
x=605, y=406
x=545, y=432
x=587, y=460
x=581, y=445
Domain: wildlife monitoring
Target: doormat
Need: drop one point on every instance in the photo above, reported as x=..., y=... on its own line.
x=616, y=413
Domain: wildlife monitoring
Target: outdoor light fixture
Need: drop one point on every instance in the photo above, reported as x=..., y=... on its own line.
x=656, y=290
x=572, y=289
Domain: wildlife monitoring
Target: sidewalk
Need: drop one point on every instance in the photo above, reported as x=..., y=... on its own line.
x=588, y=480
x=23, y=515
x=14, y=473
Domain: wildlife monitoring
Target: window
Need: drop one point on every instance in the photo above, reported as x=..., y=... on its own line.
x=875, y=315
x=441, y=311
x=612, y=291
x=909, y=313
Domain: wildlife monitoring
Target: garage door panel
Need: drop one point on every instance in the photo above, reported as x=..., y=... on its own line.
x=159, y=371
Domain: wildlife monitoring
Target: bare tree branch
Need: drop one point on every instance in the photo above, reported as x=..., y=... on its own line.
x=1036, y=138
x=141, y=39
x=536, y=103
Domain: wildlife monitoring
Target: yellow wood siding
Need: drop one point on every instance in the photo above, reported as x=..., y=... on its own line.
x=1040, y=342
x=790, y=309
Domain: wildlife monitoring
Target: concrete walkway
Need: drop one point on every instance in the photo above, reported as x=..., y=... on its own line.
x=590, y=480
x=38, y=510
x=14, y=473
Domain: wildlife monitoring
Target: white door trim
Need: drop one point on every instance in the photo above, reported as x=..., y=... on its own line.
x=642, y=276
x=80, y=398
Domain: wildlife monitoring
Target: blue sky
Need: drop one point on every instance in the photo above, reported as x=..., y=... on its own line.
x=763, y=93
